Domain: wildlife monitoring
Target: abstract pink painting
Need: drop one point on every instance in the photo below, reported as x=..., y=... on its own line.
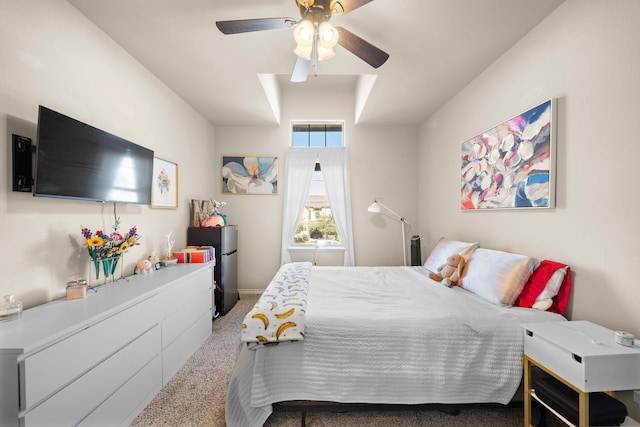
x=511, y=165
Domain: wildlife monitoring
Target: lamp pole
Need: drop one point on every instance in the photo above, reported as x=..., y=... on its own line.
x=404, y=243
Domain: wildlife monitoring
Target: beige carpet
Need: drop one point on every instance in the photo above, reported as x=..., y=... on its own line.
x=195, y=396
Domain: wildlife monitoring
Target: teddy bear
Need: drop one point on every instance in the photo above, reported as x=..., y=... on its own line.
x=451, y=272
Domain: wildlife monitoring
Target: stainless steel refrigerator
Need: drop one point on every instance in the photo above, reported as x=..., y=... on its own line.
x=225, y=272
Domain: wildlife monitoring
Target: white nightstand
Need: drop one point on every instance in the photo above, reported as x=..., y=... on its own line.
x=582, y=355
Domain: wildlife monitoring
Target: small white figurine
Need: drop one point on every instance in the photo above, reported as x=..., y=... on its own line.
x=169, y=245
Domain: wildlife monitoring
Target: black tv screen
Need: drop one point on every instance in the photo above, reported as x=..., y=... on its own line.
x=77, y=161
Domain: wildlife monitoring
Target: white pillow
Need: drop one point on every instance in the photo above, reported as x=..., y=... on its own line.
x=444, y=249
x=497, y=276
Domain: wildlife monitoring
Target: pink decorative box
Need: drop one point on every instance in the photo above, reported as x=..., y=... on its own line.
x=182, y=256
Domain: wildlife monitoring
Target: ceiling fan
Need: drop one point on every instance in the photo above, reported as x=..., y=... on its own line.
x=314, y=35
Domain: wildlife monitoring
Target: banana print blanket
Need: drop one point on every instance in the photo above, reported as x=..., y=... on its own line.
x=278, y=316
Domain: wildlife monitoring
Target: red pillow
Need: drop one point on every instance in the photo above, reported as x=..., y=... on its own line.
x=537, y=282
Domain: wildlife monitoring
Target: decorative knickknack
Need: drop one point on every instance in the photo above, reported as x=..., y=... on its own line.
x=10, y=308
x=106, y=250
x=167, y=258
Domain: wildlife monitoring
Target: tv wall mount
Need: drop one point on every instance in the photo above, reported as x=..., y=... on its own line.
x=23, y=152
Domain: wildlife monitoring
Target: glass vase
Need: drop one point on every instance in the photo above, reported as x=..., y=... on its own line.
x=109, y=267
x=106, y=267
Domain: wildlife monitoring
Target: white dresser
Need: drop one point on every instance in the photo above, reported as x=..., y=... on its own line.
x=583, y=356
x=100, y=360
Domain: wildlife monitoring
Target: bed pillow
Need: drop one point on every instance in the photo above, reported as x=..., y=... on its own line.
x=444, y=249
x=497, y=276
x=542, y=289
x=561, y=300
x=545, y=299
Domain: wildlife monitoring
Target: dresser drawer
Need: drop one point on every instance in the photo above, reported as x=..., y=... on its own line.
x=75, y=401
x=184, y=291
x=125, y=404
x=178, y=352
x=52, y=368
x=185, y=315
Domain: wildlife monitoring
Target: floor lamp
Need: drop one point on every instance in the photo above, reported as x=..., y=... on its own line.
x=376, y=207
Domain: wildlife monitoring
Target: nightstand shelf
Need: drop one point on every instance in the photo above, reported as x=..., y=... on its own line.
x=581, y=355
x=550, y=408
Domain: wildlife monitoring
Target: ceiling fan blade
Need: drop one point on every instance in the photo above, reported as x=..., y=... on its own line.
x=346, y=6
x=300, y=70
x=249, y=25
x=361, y=48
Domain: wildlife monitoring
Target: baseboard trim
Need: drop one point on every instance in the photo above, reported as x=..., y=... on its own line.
x=250, y=291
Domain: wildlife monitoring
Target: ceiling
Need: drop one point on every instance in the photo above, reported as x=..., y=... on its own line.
x=436, y=48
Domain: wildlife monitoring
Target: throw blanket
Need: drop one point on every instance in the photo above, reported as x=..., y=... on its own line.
x=278, y=316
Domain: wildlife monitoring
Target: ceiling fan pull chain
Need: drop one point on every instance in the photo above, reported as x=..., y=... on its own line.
x=314, y=49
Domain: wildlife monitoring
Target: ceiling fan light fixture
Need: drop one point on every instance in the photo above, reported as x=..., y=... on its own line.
x=327, y=39
x=328, y=35
x=324, y=53
x=303, y=52
x=303, y=33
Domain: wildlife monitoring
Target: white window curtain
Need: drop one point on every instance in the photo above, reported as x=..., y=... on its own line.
x=335, y=167
x=298, y=172
x=299, y=168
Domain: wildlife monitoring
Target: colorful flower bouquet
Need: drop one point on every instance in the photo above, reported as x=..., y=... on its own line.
x=106, y=249
x=163, y=181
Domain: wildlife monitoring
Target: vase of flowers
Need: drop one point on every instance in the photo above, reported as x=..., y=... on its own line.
x=105, y=250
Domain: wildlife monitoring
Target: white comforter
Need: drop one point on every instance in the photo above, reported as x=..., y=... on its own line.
x=386, y=335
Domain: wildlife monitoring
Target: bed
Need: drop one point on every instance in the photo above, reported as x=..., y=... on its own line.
x=380, y=335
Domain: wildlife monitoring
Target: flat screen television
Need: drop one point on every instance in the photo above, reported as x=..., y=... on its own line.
x=77, y=161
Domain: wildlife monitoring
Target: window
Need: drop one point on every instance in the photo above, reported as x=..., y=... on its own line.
x=316, y=225
x=316, y=134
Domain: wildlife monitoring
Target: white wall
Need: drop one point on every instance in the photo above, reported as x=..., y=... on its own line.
x=383, y=164
x=50, y=54
x=585, y=54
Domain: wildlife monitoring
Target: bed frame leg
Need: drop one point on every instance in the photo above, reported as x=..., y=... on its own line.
x=303, y=420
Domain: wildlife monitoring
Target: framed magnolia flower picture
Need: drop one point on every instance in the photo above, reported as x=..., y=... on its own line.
x=249, y=175
x=164, y=188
